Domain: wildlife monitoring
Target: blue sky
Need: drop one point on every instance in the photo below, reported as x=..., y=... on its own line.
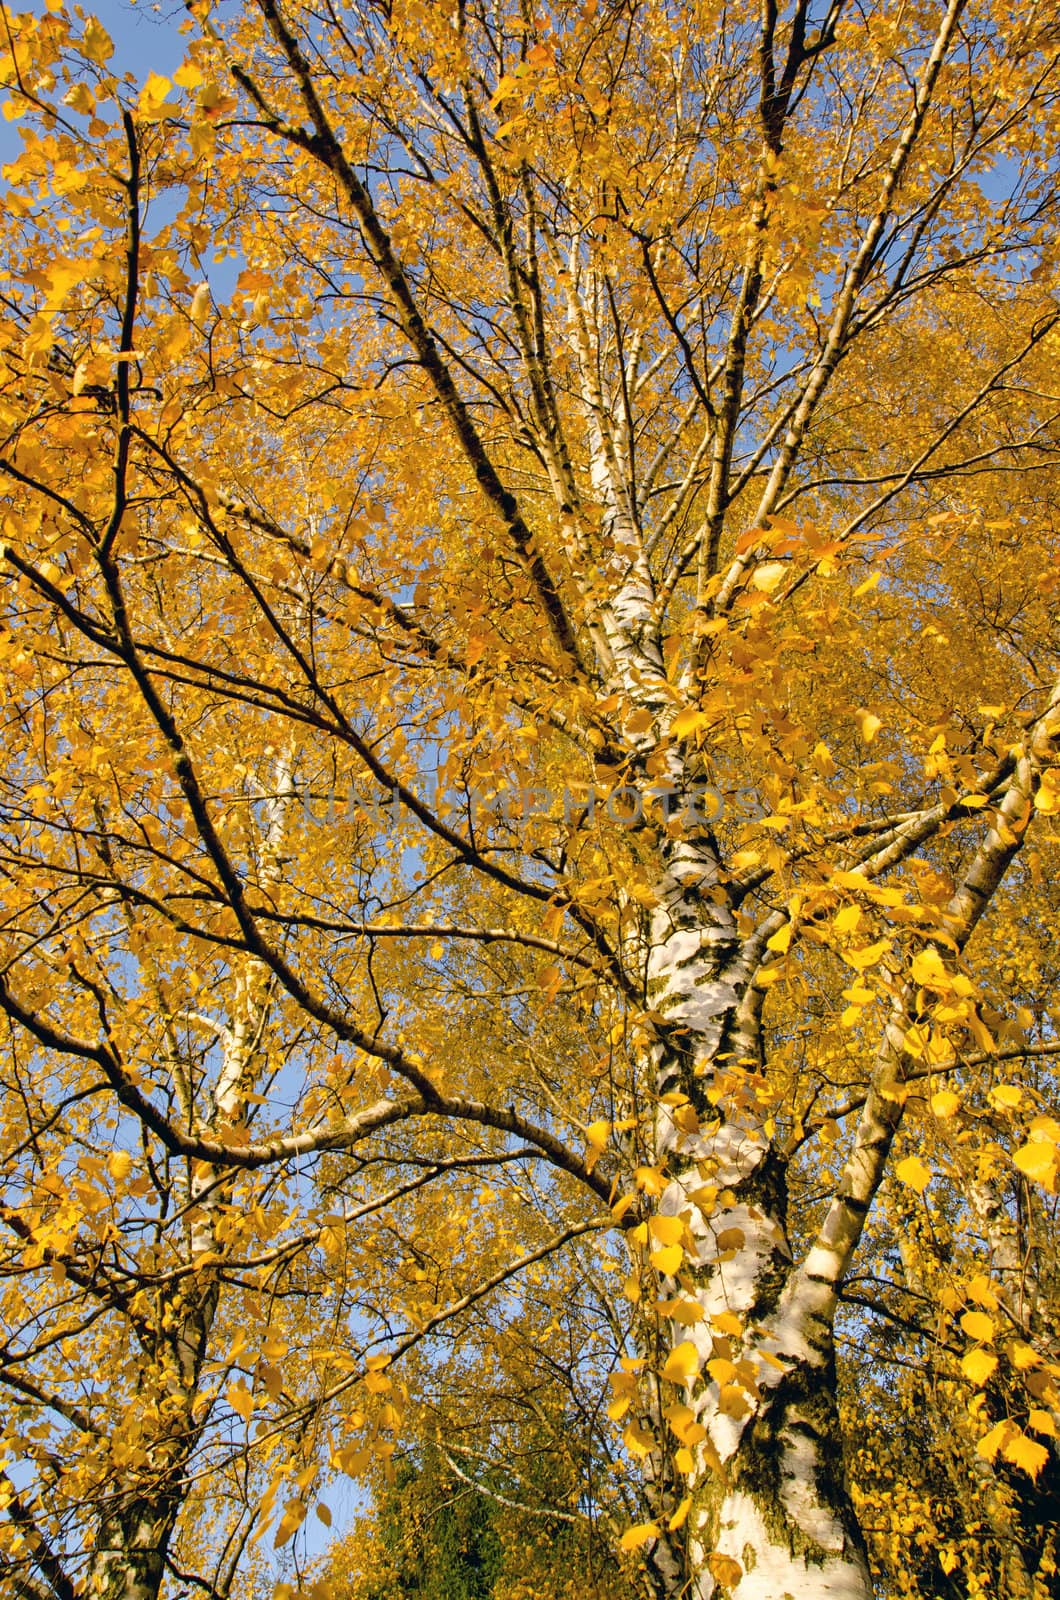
x=146, y=35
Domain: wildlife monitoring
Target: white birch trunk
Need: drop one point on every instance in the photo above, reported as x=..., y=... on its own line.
x=770, y=1515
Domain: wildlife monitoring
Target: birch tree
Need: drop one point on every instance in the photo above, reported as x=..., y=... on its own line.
x=593, y=468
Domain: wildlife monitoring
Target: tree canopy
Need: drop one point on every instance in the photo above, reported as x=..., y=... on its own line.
x=528, y=824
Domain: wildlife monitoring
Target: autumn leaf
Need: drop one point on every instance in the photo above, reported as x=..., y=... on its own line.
x=1025, y=1453
x=638, y=1441
x=768, y=576
x=667, y=1229
x=914, y=1173
x=294, y=1514
x=119, y=1164
x=689, y=722
x=680, y=1515
x=1039, y=1160
x=638, y=1535
x=927, y=968
x=667, y=1259
x=868, y=955
x=726, y=1570
x=978, y=1367
x=682, y=1363
x=96, y=42
x=869, y=725
x=977, y=1325
x=240, y=1399
x=152, y=97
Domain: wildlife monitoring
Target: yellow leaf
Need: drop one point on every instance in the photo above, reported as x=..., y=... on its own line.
x=650, y=1180
x=914, y=1173
x=324, y=1513
x=727, y=1322
x=506, y=86
x=1025, y=1453
x=1047, y=798
x=667, y=1230
x=846, y=919
x=680, y=1514
x=977, y=1325
x=97, y=43
x=667, y=1259
x=187, y=76
x=725, y=1569
x=634, y=1537
x=868, y=955
x=80, y=98
x=981, y=1292
x=240, y=1399
x=768, y=576
x=686, y=1312
x=733, y=1400
x=850, y=880
x=947, y=1561
x=292, y=1519
x=682, y=1363
x=684, y=1460
x=200, y=304
x=683, y=1424
x=978, y=1367
x=945, y=1103
x=549, y=979
x=721, y=1369
x=638, y=1441
x=780, y=940
x=822, y=759
x=1006, y=1097
x=119, y=1164
x=352, y=1461
x=989, y=1445
x=596, y=1135
x=1038, y=1160
x=688, y=722
x=869, y=725
x=928, y=968
x=1042, y=1422
x=153, y=94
